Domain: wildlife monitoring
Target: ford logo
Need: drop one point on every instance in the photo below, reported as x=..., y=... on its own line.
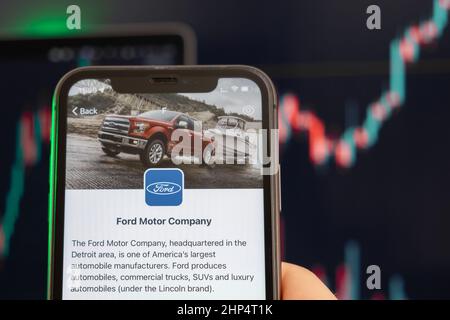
x=163, y=188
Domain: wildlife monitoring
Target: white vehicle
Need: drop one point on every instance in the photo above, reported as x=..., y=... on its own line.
x=232, y=142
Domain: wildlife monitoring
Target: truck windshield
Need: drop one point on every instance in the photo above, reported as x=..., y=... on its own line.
x=162, y=115
x=230, y=123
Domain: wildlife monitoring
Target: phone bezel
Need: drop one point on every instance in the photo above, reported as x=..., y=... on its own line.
x=58, y=161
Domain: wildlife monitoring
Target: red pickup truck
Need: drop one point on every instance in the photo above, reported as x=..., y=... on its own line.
x=148, y=134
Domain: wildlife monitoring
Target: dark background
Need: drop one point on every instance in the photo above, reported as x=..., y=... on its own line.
x=393, y=204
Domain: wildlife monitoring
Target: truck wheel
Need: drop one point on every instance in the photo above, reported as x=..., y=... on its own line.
x=110, y=152
x=209, y=154
x=153, y=153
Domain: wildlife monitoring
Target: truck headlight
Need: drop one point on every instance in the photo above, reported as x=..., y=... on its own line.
x=140, y=127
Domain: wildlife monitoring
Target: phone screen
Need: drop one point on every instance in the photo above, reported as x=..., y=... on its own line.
x=163, y=194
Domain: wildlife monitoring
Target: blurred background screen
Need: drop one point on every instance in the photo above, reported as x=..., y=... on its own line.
x=363, y=119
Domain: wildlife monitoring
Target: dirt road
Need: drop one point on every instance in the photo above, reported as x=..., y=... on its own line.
x=89, y=168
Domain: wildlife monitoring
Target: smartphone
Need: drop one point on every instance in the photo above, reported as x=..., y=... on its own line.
x=164, y=184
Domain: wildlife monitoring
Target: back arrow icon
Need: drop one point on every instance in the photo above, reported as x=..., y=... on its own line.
x=73, y=111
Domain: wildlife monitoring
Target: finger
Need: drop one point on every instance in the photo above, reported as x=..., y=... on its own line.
x=298, y=283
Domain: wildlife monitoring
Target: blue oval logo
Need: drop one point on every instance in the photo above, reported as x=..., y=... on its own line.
x=163, y=188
